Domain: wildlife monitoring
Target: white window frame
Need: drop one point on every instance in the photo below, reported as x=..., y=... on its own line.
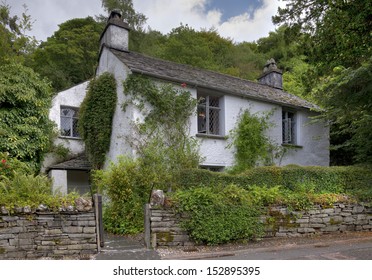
x=289, y=127
x=206, y=124
x=70, y=121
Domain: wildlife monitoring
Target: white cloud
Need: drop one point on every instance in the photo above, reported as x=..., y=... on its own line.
x=164, y=15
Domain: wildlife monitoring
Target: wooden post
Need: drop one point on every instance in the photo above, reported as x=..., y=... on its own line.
x=147, y=226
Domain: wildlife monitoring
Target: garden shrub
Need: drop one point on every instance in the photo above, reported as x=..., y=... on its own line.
x=352, y=180
x=127, y=186
x=218, y=216
x=20, y=190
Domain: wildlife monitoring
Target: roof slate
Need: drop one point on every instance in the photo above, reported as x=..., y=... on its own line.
x=77, y=163
x=175, y=72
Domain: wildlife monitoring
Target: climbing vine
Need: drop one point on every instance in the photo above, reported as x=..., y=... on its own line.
x=96, y=113
x=250, y=142
x=162, y=139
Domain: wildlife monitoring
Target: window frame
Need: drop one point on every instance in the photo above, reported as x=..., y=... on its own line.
x=289, y=131
x=209, y=129
x=73, y=132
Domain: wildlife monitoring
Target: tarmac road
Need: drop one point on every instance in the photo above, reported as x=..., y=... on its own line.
x=344, y=246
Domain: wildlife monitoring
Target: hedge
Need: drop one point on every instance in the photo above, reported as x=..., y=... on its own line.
x=356, y=180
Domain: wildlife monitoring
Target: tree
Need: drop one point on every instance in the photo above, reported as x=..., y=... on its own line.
x=340, y=55
x=14, y=43
x=339, y=30
x=69, y=56
x=25, y=99
x=134, y=19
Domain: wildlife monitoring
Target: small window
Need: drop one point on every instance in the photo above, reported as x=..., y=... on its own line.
x=209, y=115
x=69, y=121
x=289, y=127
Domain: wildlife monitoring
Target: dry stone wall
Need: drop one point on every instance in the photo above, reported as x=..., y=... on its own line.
x=43, y=234
x=164, y=224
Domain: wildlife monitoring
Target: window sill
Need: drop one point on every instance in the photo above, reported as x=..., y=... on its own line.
x=292, y=146
x=211, y=136
x=70, y=138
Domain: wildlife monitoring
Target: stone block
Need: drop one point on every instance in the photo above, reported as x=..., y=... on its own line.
x=6, y=236
x=312, y=212
x=302, y=220
x=320, y=215
x=163, y=224
x=71, y=229
x=317, y=225
x=156, y=219
x=362, y=217
x=367, y=226
x=349, y=219
x=89, y=230
x=331, y=228
x=328, y=211
x=358, y=209
x=305, y=230
x=53, y=231
x=316, y=220
x=326, y=220
x=281, y=234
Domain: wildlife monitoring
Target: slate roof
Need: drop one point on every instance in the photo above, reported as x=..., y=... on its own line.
x=192, y=76
x=78, y=163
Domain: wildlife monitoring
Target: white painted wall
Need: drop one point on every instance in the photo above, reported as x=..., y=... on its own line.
x=72, y=97
x=59, y=180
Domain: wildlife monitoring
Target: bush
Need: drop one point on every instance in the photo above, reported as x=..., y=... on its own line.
x=20, y=190
x=352, y=180
x=218, y=216
x=127, y=186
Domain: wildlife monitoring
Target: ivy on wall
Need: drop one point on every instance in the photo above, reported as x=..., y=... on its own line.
x=162, y=139
x=250, y=142
x=96, y=114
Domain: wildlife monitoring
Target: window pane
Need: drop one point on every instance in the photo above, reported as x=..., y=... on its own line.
x=202, y=119
x=214, y=121
x=75, y=132
x=65, y=126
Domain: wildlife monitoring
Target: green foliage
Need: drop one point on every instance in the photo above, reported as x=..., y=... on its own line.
x=127, y=185
x=69, y=56
x=25, y=128
x=20, y=190
x=250, y=142
x=9, y=166
x=219, y=215
x=162, y=139
x=353, y=180
x=346, y=94
x=15, y=45
x=96, y=114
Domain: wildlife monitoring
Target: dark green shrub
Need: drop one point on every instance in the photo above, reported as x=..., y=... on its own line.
x=353, y=180
x=219, y=215
x=127, y=186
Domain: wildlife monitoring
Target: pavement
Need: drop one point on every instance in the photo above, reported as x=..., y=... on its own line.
x=340, y=246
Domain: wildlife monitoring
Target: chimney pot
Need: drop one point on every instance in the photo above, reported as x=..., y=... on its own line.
x=271, y=75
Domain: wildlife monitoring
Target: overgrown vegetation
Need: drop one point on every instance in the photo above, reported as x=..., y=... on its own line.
x=25, y=128
x=20, y=188
x=355, y=181
x=162, y=139
x=251, y=144
x=163, y=148
x=96, y=114
x=219, y=215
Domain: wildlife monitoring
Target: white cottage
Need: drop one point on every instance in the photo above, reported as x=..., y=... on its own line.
x=224, y=97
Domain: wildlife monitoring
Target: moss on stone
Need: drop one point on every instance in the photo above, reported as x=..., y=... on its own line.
x=165, y=237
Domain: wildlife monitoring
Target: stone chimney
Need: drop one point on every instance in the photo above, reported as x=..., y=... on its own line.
x=116, y=33
x=271, y=75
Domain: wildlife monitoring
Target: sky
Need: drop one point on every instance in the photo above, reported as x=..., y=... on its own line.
x=239, y=20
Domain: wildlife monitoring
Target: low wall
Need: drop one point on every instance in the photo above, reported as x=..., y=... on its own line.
x=43, y=234
x=164, y=224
